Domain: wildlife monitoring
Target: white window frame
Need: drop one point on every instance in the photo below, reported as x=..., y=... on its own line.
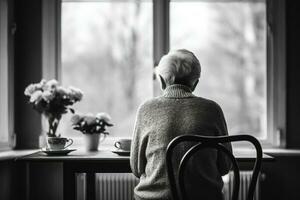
x=276, y=56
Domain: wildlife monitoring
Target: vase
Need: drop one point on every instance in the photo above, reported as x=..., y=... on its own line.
x=49, y=129
x=92, y=141
x=53, y=122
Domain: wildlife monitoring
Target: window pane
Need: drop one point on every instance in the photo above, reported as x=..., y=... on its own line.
x=107, y=52
x=229, y=38
x=3, y=74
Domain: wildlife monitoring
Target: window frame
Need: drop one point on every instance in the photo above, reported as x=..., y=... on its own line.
x=276, y=64
x=276, y=73
x=276, y=57
x=7, y=28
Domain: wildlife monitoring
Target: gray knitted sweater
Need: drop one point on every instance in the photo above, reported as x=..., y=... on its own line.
x=161, y=119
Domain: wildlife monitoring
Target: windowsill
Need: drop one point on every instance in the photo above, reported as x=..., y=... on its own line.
x=281, y=152
x=272, y=151
x=13, y=154
x=9, y=154
x=108, y=144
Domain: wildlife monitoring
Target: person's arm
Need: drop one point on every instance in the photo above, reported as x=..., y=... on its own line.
x=223, y=162
x=138, y=148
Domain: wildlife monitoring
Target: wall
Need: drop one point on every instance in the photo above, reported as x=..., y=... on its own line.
x=6, y=177
x=283, y=176
x=46, y=181
x=28, y=62
x=293, y=71
x=26, y=54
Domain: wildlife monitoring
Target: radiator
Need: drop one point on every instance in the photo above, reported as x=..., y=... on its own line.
x=109, y=186
x=119, y=186
x=245, y=178
x=115, y=186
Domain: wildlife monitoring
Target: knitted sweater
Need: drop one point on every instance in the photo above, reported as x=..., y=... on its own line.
x=161, y=119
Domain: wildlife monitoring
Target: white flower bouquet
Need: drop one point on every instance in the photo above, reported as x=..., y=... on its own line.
x=52, y=100
x=91, y=124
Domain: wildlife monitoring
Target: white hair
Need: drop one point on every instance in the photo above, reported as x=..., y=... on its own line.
x=179, y=67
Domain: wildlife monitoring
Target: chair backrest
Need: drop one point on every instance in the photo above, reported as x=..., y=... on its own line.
x=203, y=142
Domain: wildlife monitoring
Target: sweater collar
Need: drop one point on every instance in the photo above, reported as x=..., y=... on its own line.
x=177, y=91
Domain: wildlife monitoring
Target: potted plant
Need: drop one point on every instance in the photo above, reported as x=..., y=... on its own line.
x=92, y=127
x=52, y=100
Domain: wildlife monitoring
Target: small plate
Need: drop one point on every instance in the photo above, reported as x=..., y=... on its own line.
x=121, y=152
x=61, y=152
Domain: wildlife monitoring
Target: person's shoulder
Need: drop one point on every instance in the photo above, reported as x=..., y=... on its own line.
x=206, y=101
x=148, y=104
x=209, y=104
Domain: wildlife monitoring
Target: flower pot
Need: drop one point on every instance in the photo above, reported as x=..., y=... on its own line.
x=92, y=141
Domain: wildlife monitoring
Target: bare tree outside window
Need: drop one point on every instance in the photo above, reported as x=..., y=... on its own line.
x=229, y=38
x=107, y=52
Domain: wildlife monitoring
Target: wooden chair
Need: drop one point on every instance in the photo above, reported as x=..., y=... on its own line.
x=214, y=143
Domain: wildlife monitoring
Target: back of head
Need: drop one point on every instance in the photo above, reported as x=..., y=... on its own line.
x=179, y=67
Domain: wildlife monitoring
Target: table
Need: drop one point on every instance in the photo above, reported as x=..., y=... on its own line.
x=101, y=161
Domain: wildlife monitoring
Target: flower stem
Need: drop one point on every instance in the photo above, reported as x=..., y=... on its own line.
x=53, y=124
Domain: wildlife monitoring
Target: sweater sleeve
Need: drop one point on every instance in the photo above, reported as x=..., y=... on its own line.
x=138, y=147
x=223, y=162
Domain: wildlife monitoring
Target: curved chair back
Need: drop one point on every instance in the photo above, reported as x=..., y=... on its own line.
x=215, y=143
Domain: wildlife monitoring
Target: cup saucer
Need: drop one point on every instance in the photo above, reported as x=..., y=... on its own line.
x=121, y=152
x=57, y=152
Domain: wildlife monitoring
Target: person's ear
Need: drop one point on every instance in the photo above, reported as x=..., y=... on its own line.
x=195, y=84
x=162, y=82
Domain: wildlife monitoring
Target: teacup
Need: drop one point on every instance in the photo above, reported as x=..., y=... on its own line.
x=59, y=143
x=123, y=144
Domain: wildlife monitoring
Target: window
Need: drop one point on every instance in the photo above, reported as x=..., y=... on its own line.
x=4, y=136
x=229, y=38
x=107, y=52
x=106, y=49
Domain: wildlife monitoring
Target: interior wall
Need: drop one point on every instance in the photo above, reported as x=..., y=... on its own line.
x=46, y=181
x=6, y=183
x=282, y=176
x=28, y=62
x=293, y=72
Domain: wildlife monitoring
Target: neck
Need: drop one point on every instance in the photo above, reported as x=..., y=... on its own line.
x=178, y=91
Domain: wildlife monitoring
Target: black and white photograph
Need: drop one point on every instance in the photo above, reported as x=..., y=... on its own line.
x=149, y=100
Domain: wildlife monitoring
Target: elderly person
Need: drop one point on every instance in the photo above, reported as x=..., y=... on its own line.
x=175, y=113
